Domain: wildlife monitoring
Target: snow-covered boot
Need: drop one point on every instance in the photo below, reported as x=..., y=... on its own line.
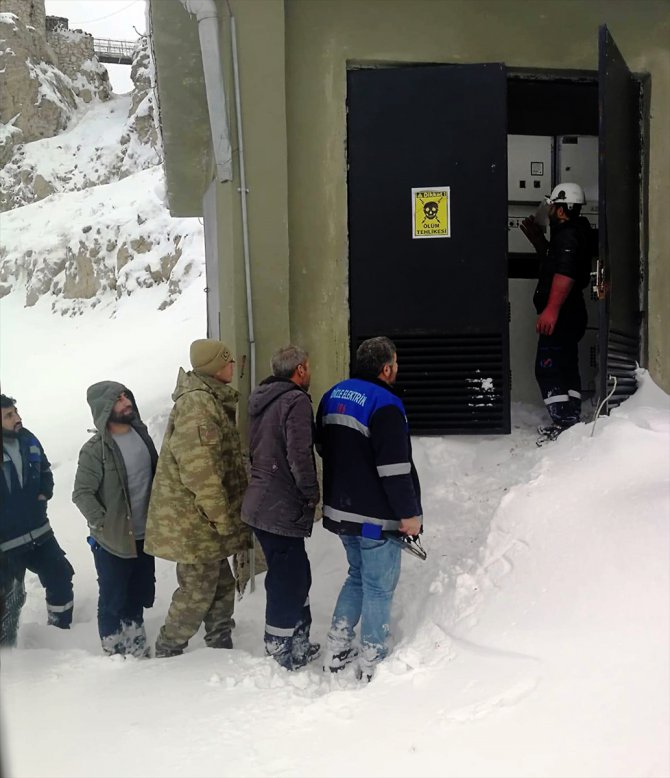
x=135, y=639
x=336, y=662
x=547, y=434
x=114, y=644
x=303, y=651
x=280, y=648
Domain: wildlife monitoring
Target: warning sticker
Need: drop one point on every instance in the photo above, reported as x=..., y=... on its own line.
x=431, y=212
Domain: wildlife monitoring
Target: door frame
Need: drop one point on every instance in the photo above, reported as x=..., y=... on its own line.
x=644, y=83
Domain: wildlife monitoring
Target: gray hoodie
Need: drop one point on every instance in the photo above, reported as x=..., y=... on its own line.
x=283, y=491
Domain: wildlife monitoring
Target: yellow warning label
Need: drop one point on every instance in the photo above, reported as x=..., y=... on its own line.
x=431, y=212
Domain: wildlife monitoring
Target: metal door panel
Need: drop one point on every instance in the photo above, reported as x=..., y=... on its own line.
x=443, y=300
x=619, y=214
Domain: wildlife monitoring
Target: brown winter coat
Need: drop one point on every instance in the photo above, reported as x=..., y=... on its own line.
x=194, y=512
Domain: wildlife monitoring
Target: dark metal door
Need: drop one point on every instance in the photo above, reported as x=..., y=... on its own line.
x=619, y=227
x=427, y=153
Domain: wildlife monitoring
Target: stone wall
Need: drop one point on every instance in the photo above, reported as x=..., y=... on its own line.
x=72, y=48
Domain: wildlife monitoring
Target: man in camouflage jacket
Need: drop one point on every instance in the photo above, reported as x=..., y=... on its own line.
x=194, y=512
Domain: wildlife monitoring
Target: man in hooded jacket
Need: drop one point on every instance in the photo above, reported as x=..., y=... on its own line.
x=194, y=513
x=281, y=500
x=111, y=488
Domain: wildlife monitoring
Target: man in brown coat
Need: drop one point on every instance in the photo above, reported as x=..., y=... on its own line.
x=194, y=513
x=281, y=500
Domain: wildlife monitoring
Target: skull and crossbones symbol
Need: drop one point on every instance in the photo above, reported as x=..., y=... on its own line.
x=430, y=210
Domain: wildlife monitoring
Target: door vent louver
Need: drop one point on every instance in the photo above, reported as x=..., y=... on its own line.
x=452, y=384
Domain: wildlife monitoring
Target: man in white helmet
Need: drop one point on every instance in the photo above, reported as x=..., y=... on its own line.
x=565, y=267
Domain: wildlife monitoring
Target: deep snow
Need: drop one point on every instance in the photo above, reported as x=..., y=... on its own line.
x=532, y=642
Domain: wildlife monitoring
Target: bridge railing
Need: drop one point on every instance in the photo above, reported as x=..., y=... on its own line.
x=114, y=48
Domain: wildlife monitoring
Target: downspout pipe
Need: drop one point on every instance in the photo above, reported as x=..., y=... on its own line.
x=245, y=244
x=208, y=29
x=243, y=202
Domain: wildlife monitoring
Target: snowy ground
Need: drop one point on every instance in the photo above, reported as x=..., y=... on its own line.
x=532, y=642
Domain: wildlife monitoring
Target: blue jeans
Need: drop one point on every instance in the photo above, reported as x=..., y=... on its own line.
x=367, y=594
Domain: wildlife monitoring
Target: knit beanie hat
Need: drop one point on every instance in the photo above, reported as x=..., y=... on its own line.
x=209, y=356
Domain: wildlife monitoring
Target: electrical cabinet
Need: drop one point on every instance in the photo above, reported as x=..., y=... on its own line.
x=577, y=160
x=535, y=164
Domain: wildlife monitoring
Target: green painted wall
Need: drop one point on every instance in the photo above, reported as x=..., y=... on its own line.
x=323, y=36
x=260, y=41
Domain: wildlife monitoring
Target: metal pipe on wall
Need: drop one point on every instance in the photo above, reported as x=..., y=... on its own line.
x=245, y=244
x=208, y=30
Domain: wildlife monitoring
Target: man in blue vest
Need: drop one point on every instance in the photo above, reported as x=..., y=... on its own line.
x=371, y=493
x=27, y=541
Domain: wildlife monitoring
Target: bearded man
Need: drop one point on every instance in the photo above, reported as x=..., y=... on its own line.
x=27, y=541
x=112, y=488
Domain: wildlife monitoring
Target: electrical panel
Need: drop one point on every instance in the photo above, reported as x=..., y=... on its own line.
x=535, y=164
x=529, y=167
x=577, y=161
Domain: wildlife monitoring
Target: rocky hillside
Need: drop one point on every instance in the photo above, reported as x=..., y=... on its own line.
x=84, y=219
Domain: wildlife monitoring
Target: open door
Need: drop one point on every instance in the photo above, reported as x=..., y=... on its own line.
x=618, y=273
x=427, y=196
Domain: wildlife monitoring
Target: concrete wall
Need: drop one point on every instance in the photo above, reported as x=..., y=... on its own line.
x=323, y=37
x=260, y=33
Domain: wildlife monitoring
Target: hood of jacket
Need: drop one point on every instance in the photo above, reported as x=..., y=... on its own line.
x=101, y=398
x=193, y=381
x=268, y=391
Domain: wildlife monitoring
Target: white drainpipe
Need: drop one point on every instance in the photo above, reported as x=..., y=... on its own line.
x=208, y=29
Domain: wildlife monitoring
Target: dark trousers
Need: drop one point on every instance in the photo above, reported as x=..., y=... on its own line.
x=12, y=599
x=48, y=561
x=126, y=587
x=557, y=369
x=287, y=584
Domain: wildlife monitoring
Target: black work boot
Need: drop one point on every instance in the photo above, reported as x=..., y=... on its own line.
x=280, y=649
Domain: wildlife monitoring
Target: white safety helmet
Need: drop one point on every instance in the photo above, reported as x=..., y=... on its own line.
x=567, y=194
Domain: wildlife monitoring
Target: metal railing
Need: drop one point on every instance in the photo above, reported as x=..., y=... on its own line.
x=108, y=50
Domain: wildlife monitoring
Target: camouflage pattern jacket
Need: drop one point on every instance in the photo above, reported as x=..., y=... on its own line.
x=194, y=512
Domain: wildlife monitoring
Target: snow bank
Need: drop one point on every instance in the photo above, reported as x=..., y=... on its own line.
x=533, y=641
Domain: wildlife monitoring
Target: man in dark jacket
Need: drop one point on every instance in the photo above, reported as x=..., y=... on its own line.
x=280, y=502
x=112, y=487
x=565, y=268
x=27, y=541
x=370, y=493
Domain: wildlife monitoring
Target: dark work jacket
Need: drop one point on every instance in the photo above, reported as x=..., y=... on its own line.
x=283, y=490
x=369, y=479
x=569, y=253
x=20, y=511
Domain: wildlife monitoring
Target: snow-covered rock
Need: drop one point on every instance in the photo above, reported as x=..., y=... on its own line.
x=86, y=220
